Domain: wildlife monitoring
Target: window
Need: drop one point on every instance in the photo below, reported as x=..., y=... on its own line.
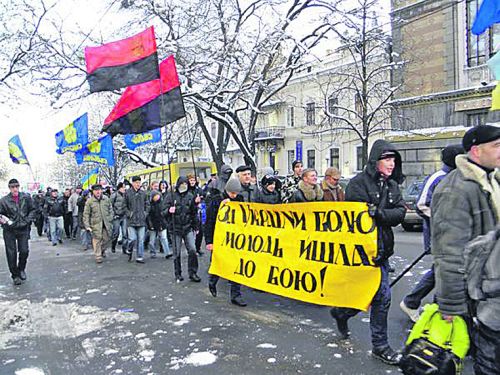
x=310, y=113
x=335, y=157
x=358, y=104
x=476, y=118
x=291, y=157
x=214, y=130
x=290, y=117
x=359, y=158
x=479, y=47
x=333, y=102
x=311, y=158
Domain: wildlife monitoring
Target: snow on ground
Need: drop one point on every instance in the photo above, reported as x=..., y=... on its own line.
x=23, y=319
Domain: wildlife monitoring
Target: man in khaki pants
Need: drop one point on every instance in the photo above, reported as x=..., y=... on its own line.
x=97, y=218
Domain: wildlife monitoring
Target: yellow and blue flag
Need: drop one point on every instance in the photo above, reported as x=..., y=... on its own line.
x=16, y=151
x=495, y=98
x=90, y=179
x=487, y=15
x=73, y=137
x=494, y=65
x=135, y=140
x=100, y=151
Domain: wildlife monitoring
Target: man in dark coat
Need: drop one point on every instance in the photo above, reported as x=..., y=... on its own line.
x=39, y=201
x=180, y=209
x=199, y=196
x=157, y=225
x=55, y=207
x=137, y=210
x=465, y=205
x=269, y=190
x=119, y=218
x=17, y=212
x=378, y=186
x=249, y=191
x=231, y=193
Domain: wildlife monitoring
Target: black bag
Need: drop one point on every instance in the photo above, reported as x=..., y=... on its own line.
x=422, y=357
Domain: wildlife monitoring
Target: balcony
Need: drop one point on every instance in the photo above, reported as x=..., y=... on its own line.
x=274, y=133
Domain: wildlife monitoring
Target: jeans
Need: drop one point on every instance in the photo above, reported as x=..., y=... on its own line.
x=136, y=236
x=235, y=287
x=56, y=225
x=86, y=238
x=422, y=289
x=16, y=241
x=487, y=346
x=162, y=236
x=379, y=310
x=188, y=239
x=120, y=224
x=75, y=228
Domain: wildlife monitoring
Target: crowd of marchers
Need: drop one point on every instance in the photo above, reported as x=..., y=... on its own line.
x=459, y=203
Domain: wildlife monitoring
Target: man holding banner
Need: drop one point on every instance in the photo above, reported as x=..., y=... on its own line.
x=378, y=186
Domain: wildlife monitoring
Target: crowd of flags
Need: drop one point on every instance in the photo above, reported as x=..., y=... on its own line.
x=152, y=97
x=151, y=100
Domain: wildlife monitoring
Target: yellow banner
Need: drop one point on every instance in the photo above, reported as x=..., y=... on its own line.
x=315, y=252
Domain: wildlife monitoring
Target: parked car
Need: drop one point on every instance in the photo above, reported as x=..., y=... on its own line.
x=410, y=195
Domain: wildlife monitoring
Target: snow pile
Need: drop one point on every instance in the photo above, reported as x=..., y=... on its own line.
x=266, y=346
x=30, y=371
x=194, y=359
x=23, y=319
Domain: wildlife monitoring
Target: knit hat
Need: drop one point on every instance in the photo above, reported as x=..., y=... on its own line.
x=233, y=185
x=136, y=178
x=449, y=153
x=479, y=135
x=295, y=162
x=267, y=171
x=387, y=154
x=119, y=186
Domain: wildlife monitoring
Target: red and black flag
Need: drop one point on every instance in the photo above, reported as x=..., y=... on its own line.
x=122, y=63
x=149, y=105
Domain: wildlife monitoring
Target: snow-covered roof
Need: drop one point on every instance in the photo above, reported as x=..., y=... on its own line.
x=427, y=132
x=443, y=95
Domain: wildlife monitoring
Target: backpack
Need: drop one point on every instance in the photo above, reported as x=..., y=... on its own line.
x=435, y=346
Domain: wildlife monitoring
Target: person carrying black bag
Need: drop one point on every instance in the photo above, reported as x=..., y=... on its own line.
x=17, y=212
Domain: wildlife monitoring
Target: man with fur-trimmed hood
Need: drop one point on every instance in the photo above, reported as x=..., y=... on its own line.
x=308, y=189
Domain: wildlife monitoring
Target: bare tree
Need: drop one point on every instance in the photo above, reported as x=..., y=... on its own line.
x=20, y=24
x=358, y=89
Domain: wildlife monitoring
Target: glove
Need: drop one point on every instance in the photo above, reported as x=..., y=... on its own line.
x=372, y=210
x=379, y=259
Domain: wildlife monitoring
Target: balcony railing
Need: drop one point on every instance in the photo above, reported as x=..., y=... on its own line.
x=270, y=133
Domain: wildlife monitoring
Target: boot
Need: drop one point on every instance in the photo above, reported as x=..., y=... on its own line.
x=341, y=323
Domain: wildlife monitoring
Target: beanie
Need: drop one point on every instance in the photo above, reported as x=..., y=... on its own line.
x=233, y=185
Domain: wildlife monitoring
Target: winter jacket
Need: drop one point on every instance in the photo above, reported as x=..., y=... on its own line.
x=39, y=202
x=370, y=187
x=118, y=204
x=463, y=207
x=98, y=214
x=224, y=175
x=307, y=193
x=156, y=219
x=22, y=214
x=136, y=207
x=423, y=204
x=249, y=192
x=213, y=203
x=335, y=194
x=266, y=196
x=482, y=273
x=55, y=207
x=72, y=204
x=185, y=218
x=289, y=188
x=81, y=207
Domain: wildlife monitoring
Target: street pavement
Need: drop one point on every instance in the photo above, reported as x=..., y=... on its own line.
x=75, y=317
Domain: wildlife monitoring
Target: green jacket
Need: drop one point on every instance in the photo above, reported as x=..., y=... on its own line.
x=98, y=214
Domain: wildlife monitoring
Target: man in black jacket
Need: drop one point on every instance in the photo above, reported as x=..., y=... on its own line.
x=55, y=207
x=378, y=186
x=39, y=201
x=180, y=208
x=214, y=200
x=137, y=210
x=18, y=211
x=119, y=218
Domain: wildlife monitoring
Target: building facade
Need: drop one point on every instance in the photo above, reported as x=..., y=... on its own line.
x=445, y=83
